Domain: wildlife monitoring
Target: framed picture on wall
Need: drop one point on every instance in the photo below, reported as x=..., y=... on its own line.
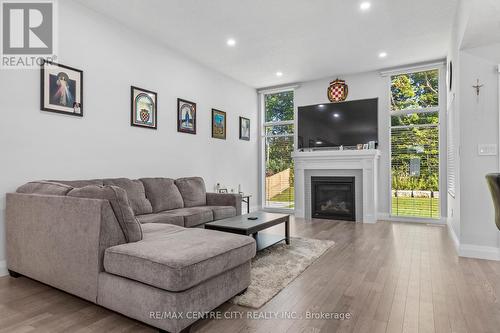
x=61, y=89
x=244, y=129
x=186, y=116
x=143, y=108
x=218, y=124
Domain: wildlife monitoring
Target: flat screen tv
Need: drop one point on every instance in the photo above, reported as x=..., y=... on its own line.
x=338, y=124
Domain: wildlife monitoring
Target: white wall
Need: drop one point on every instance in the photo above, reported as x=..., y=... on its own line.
x=41, y=145
x=474, y=121
x=361, y=86
x=453, y=114
x=479, y=116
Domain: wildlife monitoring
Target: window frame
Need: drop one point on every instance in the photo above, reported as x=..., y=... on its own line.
x=442, y=143
x=262, y=137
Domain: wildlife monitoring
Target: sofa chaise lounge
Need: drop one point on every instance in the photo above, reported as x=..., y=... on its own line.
x=137, y=247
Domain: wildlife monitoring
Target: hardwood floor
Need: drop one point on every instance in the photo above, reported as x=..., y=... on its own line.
x=391, y=277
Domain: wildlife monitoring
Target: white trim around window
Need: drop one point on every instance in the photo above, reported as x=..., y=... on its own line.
x=262, y=138
x=440, y=66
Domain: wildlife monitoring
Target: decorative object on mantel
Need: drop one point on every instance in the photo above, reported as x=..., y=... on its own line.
x=337, y=91
x=477, y=87
x=61, y=89
x=275, y=267
x=143, y=111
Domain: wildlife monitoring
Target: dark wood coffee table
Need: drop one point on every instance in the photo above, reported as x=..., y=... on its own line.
x=243, y=226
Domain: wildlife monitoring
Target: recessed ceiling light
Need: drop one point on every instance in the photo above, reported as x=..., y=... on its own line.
x=231, y=42
x=279, y=74
x=365, y=5
x=336, y=115
x=382, y=54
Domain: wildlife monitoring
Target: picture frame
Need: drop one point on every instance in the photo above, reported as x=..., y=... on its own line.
x=186, y=116
x=244, y=129
x=143, y=108
x=219, y=121
x=61, y=89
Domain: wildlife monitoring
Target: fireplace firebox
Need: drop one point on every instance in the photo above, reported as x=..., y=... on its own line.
x=333, y=198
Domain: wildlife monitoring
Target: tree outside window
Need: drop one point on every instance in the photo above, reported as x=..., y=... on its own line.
x=415, y=144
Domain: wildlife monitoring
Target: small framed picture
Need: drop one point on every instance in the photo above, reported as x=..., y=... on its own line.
x=218, y=124
x=61, y=89
x=143, y=108
x=186, y=116
x=244, y=129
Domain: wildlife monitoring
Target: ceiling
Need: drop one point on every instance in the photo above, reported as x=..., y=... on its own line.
x=483, y=26
x=304, y=39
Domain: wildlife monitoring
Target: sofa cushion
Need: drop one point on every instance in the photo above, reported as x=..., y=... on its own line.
x=44, y=187
x=222, y=212
x=135, y=192
x=120, y=205
x=193, y=216
x=80, y=183
x=163, y=217
x=158, y=230
x=180, y=260
x=162, y=193
x=193, y=191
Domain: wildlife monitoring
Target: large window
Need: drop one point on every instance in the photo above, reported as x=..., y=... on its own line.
x=415, y=144
x=278, y=132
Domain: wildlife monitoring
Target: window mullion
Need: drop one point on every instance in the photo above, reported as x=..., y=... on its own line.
x=277, y=123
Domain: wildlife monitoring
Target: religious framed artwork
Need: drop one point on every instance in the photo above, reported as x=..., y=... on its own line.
x=218, y=124
x=61, y=89
x=244, y=129
x=143, y=108
x=186, y=116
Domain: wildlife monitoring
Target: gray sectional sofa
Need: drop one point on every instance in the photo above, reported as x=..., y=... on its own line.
x=137, y=247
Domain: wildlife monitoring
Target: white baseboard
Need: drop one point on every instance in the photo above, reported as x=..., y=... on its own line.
x=3, y=268
x=388, y=217
x=479, y=252
x=471, y=250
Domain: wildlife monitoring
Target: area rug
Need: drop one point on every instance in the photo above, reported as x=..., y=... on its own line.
x=275, y=267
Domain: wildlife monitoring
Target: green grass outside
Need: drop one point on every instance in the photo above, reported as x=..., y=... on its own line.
x=415, y=207
x=286, y=195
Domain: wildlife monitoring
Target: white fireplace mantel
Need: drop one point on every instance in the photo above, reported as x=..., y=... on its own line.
x=364, y=160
